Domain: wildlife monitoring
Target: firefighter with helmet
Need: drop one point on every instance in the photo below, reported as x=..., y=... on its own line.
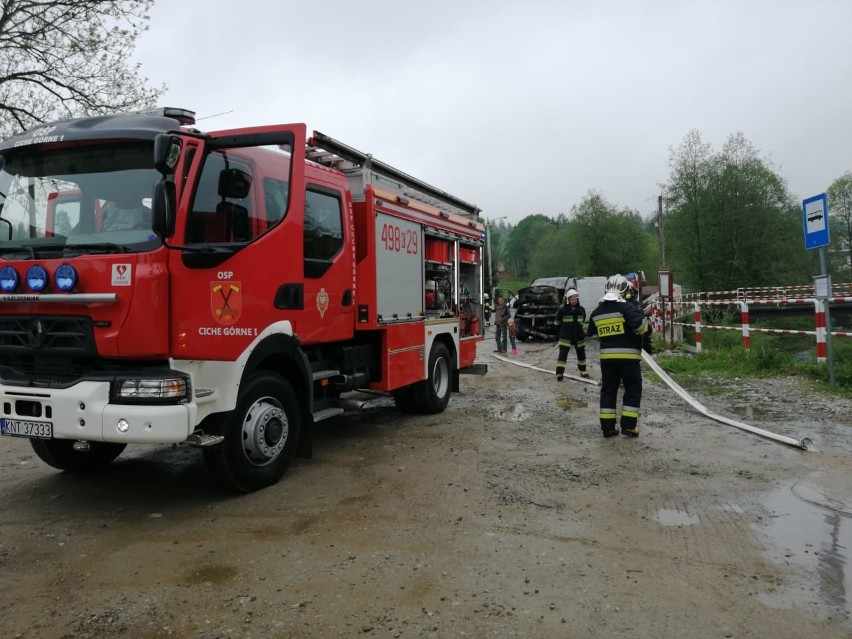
x=634, y=294
x=571, y=317
x=619, y=326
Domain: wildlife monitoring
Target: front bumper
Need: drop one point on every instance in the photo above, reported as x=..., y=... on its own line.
x=83, y=412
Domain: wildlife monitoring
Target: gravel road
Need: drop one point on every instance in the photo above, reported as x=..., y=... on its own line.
x=506, y=516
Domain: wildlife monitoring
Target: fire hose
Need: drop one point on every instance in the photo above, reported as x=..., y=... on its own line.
x=805, y=443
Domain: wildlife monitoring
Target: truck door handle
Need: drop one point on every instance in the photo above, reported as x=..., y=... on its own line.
x=290, y=296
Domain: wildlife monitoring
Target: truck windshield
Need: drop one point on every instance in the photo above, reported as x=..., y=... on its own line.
x=83, y=198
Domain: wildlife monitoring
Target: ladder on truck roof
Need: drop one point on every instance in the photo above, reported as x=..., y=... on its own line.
x=329, y=152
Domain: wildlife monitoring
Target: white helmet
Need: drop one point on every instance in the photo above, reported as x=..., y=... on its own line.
x=571, y=293
x=616, y=284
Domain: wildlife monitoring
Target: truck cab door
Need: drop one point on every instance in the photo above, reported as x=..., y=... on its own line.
x=236, y=273
x=328, y=264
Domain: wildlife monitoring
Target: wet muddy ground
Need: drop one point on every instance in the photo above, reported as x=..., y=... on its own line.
x=506, y=516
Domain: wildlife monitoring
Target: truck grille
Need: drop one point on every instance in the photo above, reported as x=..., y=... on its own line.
x=45, y=350
x=21, y=335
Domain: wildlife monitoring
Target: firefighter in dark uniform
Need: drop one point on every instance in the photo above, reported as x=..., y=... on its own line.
x=634, y=294
x=620, y=326
x=571, y=317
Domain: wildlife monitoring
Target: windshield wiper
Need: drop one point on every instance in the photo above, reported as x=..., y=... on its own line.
x=25, y=250
x=96, y=247
x=206, y=248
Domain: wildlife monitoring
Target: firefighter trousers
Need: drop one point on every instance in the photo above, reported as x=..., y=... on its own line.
x=615, y=372
x=564, y=349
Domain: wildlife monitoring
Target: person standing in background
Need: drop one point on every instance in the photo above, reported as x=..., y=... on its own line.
x=571, y=317
x=513, y=335
x=501, y=324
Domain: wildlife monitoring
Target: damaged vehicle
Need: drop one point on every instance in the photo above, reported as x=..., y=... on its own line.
x=535, y=315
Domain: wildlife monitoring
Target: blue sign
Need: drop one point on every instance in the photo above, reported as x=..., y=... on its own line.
x=815, y=219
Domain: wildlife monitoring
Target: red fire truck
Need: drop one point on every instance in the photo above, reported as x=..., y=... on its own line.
x=160, y=285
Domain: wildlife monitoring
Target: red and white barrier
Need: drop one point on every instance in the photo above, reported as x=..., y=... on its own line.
x=819, y=319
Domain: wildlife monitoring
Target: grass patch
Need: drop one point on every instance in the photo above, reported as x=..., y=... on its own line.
x=723, y=357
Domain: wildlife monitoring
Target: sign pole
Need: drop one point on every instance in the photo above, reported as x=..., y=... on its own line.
x=815, y=221
x=829, y=349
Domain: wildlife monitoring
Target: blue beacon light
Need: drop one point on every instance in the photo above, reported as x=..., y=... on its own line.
x=65, y=278
x=36, y=278
x=9, y=279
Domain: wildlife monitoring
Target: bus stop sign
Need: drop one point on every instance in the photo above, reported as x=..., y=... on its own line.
x=815, y=219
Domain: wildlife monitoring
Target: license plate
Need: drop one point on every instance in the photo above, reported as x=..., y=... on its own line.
x=18, y=428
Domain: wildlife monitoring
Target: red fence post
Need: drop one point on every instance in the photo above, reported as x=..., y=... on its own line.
x=697, y=309
x=819, y=308
x=744, y=314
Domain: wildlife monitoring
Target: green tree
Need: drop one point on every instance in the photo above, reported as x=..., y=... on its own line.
x=731, y=221
x=606, y=240
x=839, y=196
x=688, y=211
x=522, y=243
x=554, y=254
x=66, y=58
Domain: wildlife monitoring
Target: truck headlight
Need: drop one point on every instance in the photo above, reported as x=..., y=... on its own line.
x=158, y=390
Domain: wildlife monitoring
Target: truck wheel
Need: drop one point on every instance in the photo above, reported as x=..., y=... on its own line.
x=261, y=434
x=433, y=394
x=60, y=454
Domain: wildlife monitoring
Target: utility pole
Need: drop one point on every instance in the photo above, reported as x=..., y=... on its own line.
x=660, y=229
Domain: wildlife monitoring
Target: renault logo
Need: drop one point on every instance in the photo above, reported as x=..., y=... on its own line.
x=36, y=333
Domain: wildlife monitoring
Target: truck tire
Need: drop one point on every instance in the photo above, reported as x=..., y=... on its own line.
x=60, y=454
x=432, y=395
x=261, y=434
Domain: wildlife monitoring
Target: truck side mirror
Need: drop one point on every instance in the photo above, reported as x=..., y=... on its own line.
x=163, y=207
x=166, y=153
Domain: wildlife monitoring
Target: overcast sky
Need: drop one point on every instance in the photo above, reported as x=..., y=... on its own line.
x=523, y=106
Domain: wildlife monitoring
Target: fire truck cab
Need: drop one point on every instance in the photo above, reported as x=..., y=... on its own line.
x=163, y=285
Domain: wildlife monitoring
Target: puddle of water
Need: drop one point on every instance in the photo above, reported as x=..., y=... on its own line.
x=812, y=532
x=513, y=412
x=748, y=411
x=668, y=517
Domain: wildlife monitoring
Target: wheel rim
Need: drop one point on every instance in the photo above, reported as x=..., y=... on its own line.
x=441, y=377
x=265, y=431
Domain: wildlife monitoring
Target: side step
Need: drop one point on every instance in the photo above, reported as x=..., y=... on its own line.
x=327, y=413
x=201, y=439
x=326, y=374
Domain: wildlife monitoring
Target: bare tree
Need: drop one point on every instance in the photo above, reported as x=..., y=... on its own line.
x=67, y=58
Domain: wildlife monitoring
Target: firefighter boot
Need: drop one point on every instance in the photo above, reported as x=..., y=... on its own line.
x=609, y=427
x=630, y=421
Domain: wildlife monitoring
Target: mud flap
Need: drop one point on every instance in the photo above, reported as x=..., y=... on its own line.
x=475, y=369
